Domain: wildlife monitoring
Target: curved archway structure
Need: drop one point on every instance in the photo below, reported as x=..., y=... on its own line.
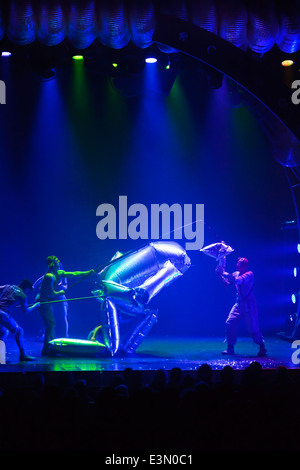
x=241, y=40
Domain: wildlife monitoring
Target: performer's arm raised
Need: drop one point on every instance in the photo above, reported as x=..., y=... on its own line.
x=70, y=275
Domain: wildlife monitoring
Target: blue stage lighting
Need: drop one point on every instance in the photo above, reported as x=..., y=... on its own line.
x=298, y=247
x=296, y=272
x=150, y=60
x=5, y=54
x=294, y=298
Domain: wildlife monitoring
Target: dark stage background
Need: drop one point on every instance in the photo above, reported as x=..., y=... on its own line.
x=70, y=144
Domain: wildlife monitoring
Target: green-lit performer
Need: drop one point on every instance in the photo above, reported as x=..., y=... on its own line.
x=48, y=293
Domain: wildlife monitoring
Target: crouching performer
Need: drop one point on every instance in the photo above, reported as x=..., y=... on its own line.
x=12, y=296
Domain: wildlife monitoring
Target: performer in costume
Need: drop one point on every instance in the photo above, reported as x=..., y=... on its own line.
x=124, y=288
x=48, y=292
x=12, y=296
x=245, y=306
x=62, y=286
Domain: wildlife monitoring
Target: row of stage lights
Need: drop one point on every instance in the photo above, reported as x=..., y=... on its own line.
x=295, y=297
x=126, y=64
x=148, y=60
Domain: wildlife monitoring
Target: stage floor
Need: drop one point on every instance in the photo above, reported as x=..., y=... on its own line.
x=157, y=353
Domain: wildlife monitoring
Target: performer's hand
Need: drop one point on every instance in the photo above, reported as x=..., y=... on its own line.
x=32, y=307
x=37, y=304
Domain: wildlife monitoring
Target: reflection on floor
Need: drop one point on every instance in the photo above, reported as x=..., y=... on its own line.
x=155, y=353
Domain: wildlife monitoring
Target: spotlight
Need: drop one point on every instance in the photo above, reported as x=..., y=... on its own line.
x=287, y=63
x=150, y=60
x=288, y=224
x=296, y=271
x=115, y=65
x=298, y=247
x=5, y=54
x=77, y=57
x=295, y=297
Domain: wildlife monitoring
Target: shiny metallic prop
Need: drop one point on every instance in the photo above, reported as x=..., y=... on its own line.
x=126, y=287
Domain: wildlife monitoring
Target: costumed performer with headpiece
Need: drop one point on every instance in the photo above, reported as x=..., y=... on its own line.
x=245, y=306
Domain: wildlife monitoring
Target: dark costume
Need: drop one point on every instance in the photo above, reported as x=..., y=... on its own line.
x=10, y=297
x=245, y=307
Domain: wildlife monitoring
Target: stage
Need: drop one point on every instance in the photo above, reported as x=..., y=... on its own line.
x=157, y=353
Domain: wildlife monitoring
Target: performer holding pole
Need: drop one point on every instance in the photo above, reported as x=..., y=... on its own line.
x=12, y=296
x=62, y=286
x=48, y=292
x=245, y=306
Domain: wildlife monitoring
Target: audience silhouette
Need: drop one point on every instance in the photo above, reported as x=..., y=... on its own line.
x=176, y=410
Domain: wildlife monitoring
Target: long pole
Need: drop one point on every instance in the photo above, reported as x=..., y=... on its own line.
x=65, y=300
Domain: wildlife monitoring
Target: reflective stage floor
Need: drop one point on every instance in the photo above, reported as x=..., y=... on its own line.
x=159, y=353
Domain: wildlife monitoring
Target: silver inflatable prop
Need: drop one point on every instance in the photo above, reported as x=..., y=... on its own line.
x=219, y=251
x=126, y=287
